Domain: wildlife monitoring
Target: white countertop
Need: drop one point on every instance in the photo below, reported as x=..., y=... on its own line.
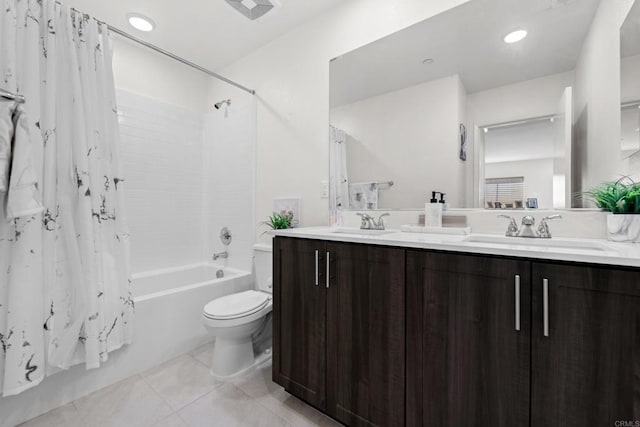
x=594, y=251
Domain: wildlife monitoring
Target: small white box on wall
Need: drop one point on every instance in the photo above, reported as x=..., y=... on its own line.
x=289, y=205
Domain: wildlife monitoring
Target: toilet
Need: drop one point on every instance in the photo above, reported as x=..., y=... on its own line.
x=233, y=319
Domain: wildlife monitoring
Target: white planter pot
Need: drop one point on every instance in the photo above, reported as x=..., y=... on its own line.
x=623, y=228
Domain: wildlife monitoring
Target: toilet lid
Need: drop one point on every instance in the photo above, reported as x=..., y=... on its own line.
x=236, y=305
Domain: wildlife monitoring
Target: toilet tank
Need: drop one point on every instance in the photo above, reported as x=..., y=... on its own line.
x=263, y=267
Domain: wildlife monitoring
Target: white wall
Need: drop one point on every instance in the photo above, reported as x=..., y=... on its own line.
x=410, y=137
x=144, y=72
x=291, y=76
x=597, y=106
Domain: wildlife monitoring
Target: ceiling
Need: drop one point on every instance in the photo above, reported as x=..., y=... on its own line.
x=208, y=32
x=468, y=41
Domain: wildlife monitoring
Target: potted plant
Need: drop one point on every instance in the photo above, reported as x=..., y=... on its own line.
x=279, y=221
x=622, y=199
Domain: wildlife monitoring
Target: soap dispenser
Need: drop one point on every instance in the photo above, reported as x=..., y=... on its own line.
x=443, y=202
x=433, y=211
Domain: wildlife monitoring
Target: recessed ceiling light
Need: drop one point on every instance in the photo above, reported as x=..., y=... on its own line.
x=515, y=36
x=141, y=22
x=486, y=130
x=249, y=3
x=428, y=61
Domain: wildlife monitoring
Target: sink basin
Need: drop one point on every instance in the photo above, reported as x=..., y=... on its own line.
x=348, y=230
x=571, y=244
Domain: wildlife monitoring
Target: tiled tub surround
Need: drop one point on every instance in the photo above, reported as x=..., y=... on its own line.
x=162, y=147
x=188, y=175
x=229, y=178
x=182, y=393
x=168, y=309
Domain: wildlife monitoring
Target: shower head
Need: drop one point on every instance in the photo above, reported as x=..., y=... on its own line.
x=252, y=9
x=221, y=103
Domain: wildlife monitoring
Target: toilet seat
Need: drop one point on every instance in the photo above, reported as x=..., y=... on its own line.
x=237, y=305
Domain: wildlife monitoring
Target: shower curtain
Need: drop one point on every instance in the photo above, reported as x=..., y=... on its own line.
x=64, y=276
x=339, y=179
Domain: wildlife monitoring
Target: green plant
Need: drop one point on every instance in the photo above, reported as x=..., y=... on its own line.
x=279, y=221
x=620, y=197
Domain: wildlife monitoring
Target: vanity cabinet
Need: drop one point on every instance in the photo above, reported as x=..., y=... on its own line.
x=468, y=340
x=586, y=372
x=379, y=336
x=501, y=342
x=300, y=319
x=339, y=340
x=366, y=336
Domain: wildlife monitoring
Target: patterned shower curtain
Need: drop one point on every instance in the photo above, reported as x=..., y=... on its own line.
x=64, y=275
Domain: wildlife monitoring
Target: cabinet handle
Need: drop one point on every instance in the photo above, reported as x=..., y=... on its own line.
x=317, y=261
x=328, y=261
x=545, y=306
x=517, y=289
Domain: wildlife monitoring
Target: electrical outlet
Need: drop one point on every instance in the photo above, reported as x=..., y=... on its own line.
x=325, y=190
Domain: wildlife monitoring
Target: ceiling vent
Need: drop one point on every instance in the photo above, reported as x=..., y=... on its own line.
x=252, y=9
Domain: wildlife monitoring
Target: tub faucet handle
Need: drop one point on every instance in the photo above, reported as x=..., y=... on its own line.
x=221, y=255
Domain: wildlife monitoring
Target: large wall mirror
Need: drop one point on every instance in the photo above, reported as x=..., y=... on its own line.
x=499, y=104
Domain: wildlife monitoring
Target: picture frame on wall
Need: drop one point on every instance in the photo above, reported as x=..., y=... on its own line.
x=463, y=142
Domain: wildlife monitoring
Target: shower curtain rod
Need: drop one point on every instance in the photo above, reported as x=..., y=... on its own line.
x=169, y=54
x=178, y=58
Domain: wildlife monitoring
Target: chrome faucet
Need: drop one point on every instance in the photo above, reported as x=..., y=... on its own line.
x=543, y=228
x=527, y=229
x=512, y=230
x=369, y=223
x=221, y=255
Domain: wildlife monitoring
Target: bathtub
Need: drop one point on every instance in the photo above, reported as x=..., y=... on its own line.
x=169, y=303
x=171, y=281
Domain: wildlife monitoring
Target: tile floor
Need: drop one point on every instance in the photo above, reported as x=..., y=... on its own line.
x=182, y=393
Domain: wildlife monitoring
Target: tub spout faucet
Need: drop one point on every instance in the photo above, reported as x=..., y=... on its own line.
x=221, y=255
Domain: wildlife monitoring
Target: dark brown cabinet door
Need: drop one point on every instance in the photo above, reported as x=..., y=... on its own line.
x=467, y=364
x=299, y=318
x=586, y=372
x=366, y=337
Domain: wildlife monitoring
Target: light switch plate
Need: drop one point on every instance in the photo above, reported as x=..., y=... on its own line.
x=325, y=190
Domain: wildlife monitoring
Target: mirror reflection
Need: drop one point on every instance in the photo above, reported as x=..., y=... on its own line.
x=630, y=83
x=498, y=104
